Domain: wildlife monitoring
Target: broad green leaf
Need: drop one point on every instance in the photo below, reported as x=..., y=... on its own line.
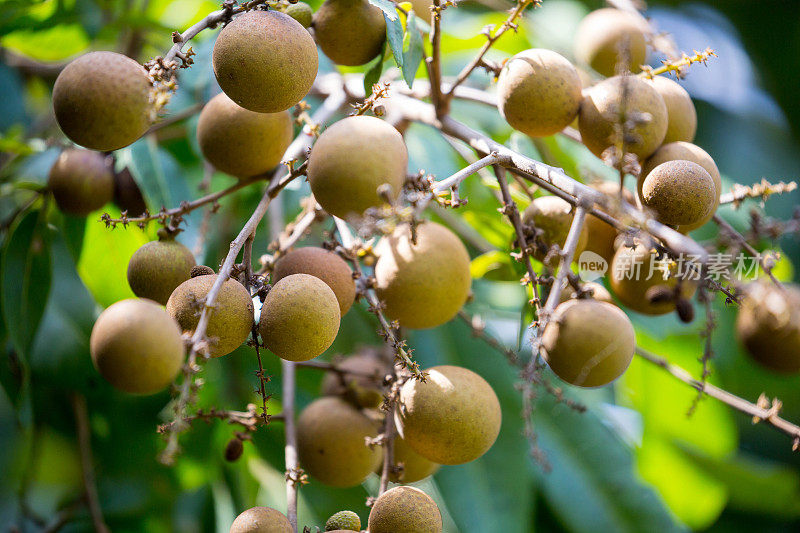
x=494, y=265
x=394, y=36
x=373, y=74
x=412, y=54
x=389, y=9
x=51, y=44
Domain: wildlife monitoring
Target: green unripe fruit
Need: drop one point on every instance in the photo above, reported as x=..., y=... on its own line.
x=240, y=142
x=349, y=32
x=351, y=160
x=553, y=217
x=600, y=121
x=599, y=293
x=331, y=443
x=603, y=33
x=539, y=92
x=322, y=264
x=404, y=510
x=414, y=466
x=136, y=346
x=81, y=181
x=343, y=521
x=365, y=384
x=425, y=284
x=103, y=101
x=682, y=116
x=687, y=152
x=158, y=267
x=299, y=318
x=588, y=343
x=453, y=417
x=601, y=236
x=679, y=192
x=261, y=520
x=230, y=320
x=768, y=324
x=301, y=12
x=265, y=61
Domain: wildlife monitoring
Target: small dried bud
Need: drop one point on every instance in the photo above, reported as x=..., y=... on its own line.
x=685, y=310
x=234, y=449
x=200, y=270
x=379, y=110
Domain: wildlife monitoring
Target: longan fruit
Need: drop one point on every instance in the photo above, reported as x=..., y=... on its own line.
x=422, y=8
x=103, y=101
x=136, y=346
x=601, y=236
x=158, y=267
x=679, y=192
x=127, y=194
x=81, y=181
x=415, y=467
x=349, y=32
x=553, y=217
x=682, y=116
x=343, y=521
x=323, y=264
x=588, y=343
x=299, y=318
x=331, y=443
x=240, y=142
x=351, y=160
x=539, y=92
x=768, y=325
x=365, y=384
x=230, y=320
x=301, y=12
x=404, y=510
x=423, y=285
x=451, y=418
x=265, y=61
x=261, y=520
x=603, y=33
x=601, y=109
x=599, y=293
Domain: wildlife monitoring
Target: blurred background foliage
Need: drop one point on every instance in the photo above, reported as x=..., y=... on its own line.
x=633, y=462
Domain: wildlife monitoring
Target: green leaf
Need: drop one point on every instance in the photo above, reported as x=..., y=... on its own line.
x=412, y=54
x=389, y=9
x=394, y=35
x=494, y=265
x=373, y=74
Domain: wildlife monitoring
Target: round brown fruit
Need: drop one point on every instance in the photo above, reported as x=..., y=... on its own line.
x=601, y=236
x=365, y=383
x=539, y=92
x=136, y=346
x=240, y=142
x=230, y=320
x=158, y=267
x=425, y=284
x=349, y=32
x=598, y=293
x=325, y=265
x=331, y=443
x=81, y=181
x=103, y=101
x=414, y=466
x=299, y=318
x=599, y=117
x=553, y=217
x=588, y=343
x=351, y=160
x=404, y=510
x=265, y=61
x=453, y=417
x=261, y=520
x=301, y=12
x=768, y=324
x=682, y=121
x=604, y=33
x=679, y=192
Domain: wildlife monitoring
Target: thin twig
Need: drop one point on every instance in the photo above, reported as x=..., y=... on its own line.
x=85, y=446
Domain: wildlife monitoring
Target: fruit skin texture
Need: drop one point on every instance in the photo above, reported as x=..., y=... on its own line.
x=768, y=324
x=261, y=520
x=239, y=142
x=688, y=152
x=452, y=418
x=349, y=32
x=157, y=268
x=423, y=285
x=601, y=237
x=265, y=61
x=599, y=116
x=300, y=318
x=539, y=92
x=599, y=293
x=330, y=442
x=231, y=319
x=367, y=389
x=404, y=510
x=103, y=101
x=81, y=181
x=680, y=192
x=682, y=121
x=415, y=467
x=343, y=521
x=351, y=159
x=600, y=34
x=136, y=346
x=588, y=343
x=301, y=12
x=553, y=216
x=325, y=265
